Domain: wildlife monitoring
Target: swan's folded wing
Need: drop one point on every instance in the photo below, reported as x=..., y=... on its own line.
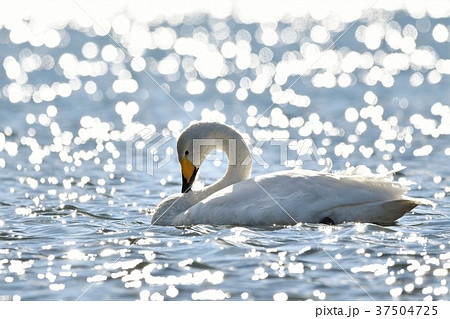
x=293, y=196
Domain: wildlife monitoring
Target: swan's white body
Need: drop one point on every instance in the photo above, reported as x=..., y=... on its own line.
x=284, y=197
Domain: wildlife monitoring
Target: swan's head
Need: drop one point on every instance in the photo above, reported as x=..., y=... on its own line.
x=200, y=139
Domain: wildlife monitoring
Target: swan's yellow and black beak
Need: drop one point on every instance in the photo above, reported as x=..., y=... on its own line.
x=188, y=172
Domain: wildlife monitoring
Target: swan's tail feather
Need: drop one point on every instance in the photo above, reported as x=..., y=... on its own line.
x=420, y=201
x=394, y=209
x=384, y=212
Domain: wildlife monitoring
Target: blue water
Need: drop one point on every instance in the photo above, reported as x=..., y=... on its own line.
x=74, y=218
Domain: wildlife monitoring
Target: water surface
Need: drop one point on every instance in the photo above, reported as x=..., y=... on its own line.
x=78, y=83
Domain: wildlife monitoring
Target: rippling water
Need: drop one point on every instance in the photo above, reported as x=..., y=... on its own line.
x=367, y=83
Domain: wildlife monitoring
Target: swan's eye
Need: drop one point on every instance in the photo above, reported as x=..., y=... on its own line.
x=186, y=153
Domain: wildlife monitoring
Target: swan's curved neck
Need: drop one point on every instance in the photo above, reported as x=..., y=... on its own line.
x=239, y=159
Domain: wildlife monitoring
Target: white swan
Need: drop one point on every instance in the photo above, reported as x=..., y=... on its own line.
x=280, y=198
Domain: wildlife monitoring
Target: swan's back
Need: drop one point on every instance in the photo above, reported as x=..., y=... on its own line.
x=289, y=197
